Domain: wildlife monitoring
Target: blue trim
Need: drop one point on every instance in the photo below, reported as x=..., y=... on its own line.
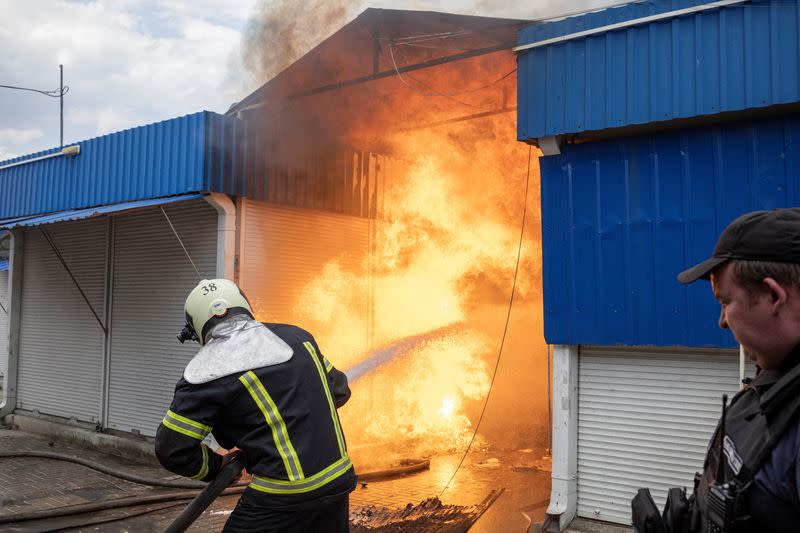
x=78, y=214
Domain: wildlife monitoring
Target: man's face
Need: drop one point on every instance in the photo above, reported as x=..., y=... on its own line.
x=750, y=317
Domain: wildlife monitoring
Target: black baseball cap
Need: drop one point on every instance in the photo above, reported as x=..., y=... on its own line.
x=757, y=236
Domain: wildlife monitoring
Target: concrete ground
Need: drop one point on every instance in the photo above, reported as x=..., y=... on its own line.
x=32, y=484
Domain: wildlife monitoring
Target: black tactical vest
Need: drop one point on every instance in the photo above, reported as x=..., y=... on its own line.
x=757, y=417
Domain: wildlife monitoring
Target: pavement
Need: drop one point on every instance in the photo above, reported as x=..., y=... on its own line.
x=35, y=484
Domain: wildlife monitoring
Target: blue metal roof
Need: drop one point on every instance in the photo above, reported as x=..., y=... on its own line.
x=725, y=59
x=78, y=214
x=620, y=220
x=153, y=161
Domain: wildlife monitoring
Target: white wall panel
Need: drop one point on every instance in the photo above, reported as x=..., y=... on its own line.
x=61, y=343
x=152, y=277
x=645, y=417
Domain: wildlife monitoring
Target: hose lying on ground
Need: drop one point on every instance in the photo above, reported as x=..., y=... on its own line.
x=156, y=498
x=115, y=503
x=106, y=470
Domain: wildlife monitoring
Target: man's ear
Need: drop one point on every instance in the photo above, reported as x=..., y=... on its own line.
x=777, y=294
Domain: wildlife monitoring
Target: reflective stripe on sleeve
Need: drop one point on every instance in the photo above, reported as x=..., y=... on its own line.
x=204, y=467
x=185, y=426
x=334, y=416
x=277, y=486
x=328, y=364
x=275, y=421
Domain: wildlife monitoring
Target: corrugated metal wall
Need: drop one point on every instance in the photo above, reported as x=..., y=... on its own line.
x=160, y=159
x=621, y=218
x=644, y=420
x=152, y=278
x=283, y=249
x=245, y=159
x=728, y=59
x=61, y=343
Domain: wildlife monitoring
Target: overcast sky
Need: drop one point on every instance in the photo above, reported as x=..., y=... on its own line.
x=133, y=62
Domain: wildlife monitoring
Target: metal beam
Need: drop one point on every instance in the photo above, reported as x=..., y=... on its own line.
x=407, y=68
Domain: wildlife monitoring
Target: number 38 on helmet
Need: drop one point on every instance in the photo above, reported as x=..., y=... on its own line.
x=208, y=303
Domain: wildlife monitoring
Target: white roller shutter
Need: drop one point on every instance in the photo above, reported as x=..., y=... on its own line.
x=645, y=417
x=3, y=325
x=283, y=249
x=61, y=343
x=152, y=278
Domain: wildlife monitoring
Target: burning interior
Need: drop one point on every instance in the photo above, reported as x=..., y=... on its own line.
x=392, y=145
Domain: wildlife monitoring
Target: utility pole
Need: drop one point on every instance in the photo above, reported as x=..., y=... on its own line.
x=58, y=93
x=61, y=98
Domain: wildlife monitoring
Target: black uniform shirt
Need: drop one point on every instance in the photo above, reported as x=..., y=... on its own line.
x=283, y=417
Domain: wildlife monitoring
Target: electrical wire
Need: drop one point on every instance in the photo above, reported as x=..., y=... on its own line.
x=432, y=92
x=505, y=327
x=55, y=93
x=199, y=277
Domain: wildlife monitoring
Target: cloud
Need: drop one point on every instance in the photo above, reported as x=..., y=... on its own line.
x=127, y=63
x=133, y=62
x=19, y=136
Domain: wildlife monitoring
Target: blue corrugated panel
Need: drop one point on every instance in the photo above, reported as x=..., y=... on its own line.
x=3, y=265
x=161, y=159
x=726, y=59
x=620, y=220
x=80, y=214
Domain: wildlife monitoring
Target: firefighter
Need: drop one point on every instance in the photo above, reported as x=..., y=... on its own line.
x=267, y=390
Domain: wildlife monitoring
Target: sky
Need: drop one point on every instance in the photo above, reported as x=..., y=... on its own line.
x=134, y=62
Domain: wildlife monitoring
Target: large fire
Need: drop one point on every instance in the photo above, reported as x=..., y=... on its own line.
x=433, y=289
x=445, y=253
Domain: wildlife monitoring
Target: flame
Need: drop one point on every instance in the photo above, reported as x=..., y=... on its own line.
x=449, y=406
x=443, y=251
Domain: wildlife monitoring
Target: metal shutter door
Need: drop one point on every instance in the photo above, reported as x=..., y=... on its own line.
x=644, y=420
x=152, y=278
x=3, y=325
x=285, y=248
x=61, y=343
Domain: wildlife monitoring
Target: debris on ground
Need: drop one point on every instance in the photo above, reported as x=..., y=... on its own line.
x=428, y=516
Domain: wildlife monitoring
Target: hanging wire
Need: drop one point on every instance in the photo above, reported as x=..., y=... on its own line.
x=432, y=92
x=55, y=93
x=199, y=277
x=505, y=327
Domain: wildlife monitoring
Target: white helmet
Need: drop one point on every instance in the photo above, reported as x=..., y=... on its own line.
x=212, y=298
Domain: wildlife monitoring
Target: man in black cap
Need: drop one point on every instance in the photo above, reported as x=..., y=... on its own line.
x=751, y=474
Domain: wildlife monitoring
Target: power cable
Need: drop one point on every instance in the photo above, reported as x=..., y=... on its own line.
x=505, y=327
x=432, y=92
x=199, y=277
x=55, y=93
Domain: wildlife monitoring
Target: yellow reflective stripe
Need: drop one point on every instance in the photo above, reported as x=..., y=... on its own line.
x=185, y=426
x=279, y=486
x=328, y=364
x=189, y=421
x=204, y=468
x=179, y=429
x=334, y=415
x=279, y=432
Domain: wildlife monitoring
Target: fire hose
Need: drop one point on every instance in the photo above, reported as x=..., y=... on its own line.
x=200, y=501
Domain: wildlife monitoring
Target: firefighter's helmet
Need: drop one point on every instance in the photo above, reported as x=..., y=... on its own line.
x=211, y=299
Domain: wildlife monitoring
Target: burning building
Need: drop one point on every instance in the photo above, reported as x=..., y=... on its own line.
x=372, y=192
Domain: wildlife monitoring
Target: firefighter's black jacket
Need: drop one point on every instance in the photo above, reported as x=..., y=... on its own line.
x=282, y=417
